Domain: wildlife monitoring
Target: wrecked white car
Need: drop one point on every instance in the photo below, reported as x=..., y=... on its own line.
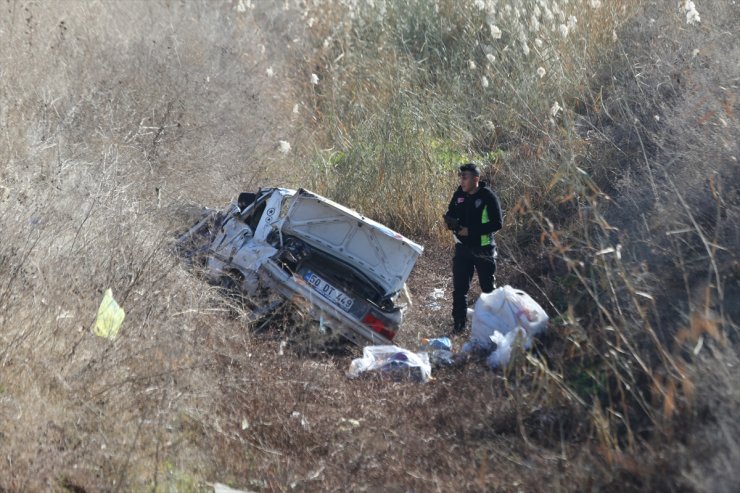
x=351, y=269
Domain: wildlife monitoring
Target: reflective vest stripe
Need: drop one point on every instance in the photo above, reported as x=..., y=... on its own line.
x=485, y=240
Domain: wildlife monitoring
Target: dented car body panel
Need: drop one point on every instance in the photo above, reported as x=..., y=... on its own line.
x=379, y=252
x=348, y=270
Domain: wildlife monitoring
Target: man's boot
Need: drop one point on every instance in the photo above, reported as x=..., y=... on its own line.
x=459, y=326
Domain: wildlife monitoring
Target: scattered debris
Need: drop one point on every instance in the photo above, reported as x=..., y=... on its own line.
x=439, y=349
x=304, y=422
x=110, y=317
x=434, y=305
x=348, y=424
x=502, y=320
x=392, y=362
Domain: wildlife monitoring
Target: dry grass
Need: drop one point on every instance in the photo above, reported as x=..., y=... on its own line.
x=116, y=116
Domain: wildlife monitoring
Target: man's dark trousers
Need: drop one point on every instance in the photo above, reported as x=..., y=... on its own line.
x=466, y=260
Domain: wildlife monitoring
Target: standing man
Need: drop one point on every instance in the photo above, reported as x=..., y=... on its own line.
x=473, y=215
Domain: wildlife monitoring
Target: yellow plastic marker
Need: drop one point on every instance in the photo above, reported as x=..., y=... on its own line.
x=110, y=317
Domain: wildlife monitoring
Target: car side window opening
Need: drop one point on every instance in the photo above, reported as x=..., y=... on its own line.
x=256, y=215
x=251, y=206
x=245, y=200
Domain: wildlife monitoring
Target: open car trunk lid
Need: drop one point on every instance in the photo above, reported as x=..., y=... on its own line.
x=381, y=254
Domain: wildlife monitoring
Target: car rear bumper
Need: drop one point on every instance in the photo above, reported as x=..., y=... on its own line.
x=294, y=288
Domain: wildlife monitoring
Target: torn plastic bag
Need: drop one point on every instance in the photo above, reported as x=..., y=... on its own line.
x=505, y=344
x=503, y=310
x=501, y=320
x=392, y=362
x=436, y=343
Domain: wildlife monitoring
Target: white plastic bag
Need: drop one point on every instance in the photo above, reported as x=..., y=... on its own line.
x=503, y=310
x=505, y=344
x=500, y=319
x=392, y=361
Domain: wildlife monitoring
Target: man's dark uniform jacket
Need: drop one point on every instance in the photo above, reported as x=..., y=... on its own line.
x=480, y=213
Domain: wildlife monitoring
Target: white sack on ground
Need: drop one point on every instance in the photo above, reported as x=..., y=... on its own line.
x=503, y=317
x=505, y=344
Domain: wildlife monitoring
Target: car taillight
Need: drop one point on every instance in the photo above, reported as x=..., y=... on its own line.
x=378, y=326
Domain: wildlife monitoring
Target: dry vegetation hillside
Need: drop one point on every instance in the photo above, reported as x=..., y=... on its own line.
x=616, y=163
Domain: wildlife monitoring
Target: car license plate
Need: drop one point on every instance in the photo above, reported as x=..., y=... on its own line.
x=328, y=291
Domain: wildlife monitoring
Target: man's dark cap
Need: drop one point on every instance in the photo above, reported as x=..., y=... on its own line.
x=471, y=168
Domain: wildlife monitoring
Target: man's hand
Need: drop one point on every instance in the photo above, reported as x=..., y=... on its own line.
x=463, y=232
x=451, y=223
